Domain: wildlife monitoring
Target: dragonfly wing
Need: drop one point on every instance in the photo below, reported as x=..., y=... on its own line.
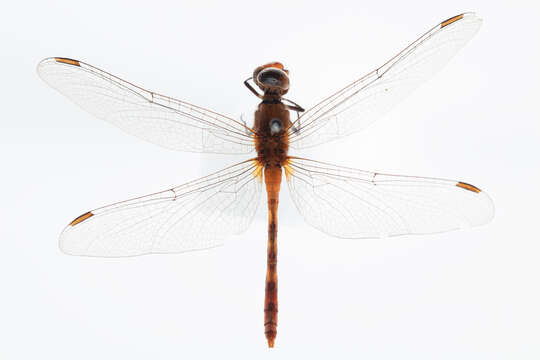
x=193, y=216
x=352, y=203
x=159, y=119
x=359, y=104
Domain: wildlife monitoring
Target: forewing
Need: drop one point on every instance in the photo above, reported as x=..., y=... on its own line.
x=359, y=104
x=193, y=216
x=350, y=203
x=159, y=119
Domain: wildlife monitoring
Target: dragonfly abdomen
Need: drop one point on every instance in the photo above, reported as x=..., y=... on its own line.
x=272, y=179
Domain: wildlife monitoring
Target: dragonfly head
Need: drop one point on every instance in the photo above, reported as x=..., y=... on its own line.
x=272, y=78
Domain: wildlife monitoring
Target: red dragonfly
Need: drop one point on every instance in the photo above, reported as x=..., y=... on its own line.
x=339, y=201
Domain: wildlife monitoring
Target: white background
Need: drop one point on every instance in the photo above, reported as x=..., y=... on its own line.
x=471, y=294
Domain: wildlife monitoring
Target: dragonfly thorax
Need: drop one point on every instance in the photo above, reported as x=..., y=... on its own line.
x=272, y=141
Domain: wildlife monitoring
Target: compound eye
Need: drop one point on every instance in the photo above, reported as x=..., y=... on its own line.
x=273, y=77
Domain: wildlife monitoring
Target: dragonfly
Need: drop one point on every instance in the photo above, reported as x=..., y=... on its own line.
x=340, y=201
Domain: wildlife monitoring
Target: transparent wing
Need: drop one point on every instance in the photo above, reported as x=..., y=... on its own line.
x=351, y=203
x=359, y=104
x=193, y=216
x=159, y=119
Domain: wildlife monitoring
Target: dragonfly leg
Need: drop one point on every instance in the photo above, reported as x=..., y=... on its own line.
x=297, y=128
x=248, y=85
x=298, y=109
x=247, y=130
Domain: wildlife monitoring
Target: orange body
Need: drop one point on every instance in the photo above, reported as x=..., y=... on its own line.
x=272, y=151
x=355, y=203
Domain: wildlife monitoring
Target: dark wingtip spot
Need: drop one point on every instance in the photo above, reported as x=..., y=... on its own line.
x=81, y=218
x=468, y=187
x=451, y=20
x=68, y=61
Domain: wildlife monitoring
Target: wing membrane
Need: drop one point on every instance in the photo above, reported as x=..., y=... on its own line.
x=193, y=216
x=362, y=102
x=159, y=119
x=352, y=203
